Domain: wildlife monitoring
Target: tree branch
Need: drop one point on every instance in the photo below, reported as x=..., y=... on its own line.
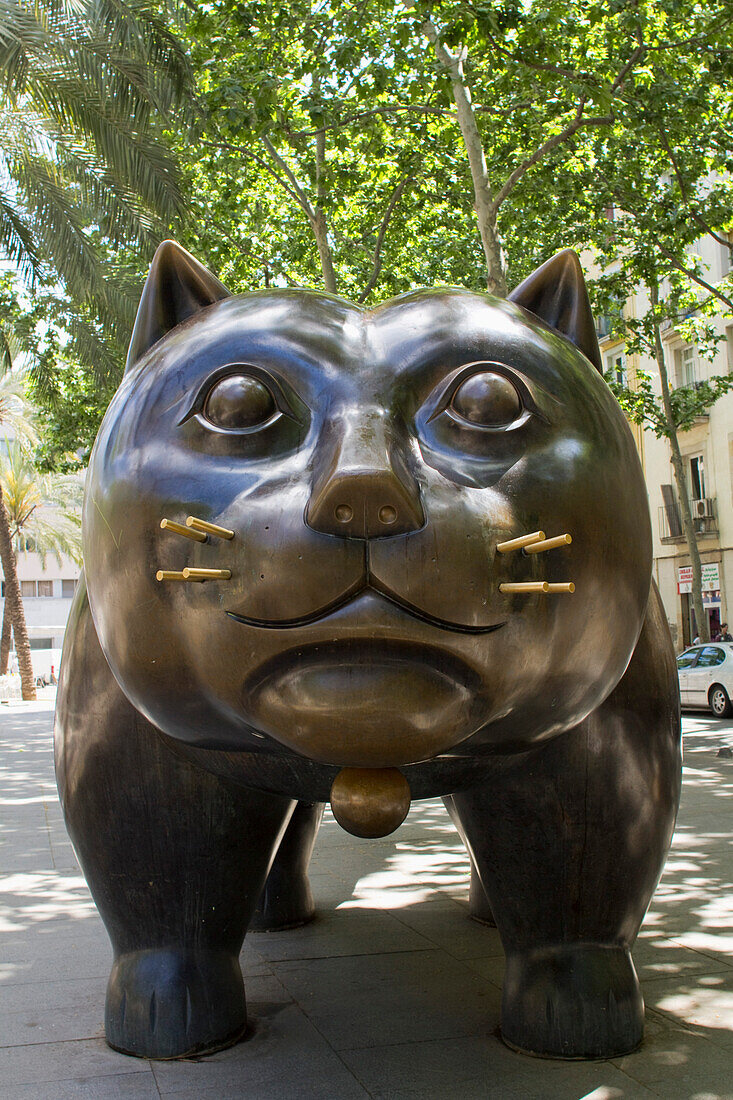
x=572, y=128
x=408, y=108
x=452, y=61
x=377, y=266
x=695, y=277
x=246, y=152
x=537, y=66
x=636, y=55
x=548, y=146
x=712, y=35
x=300, y=194
x=319, y=224
x=694, y=214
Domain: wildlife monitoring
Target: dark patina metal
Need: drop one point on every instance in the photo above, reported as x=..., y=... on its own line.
x=347, y=624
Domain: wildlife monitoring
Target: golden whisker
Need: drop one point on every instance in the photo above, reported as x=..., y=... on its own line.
x=169, y=575
x=179, y=529
x=525, y=587
x=519, y=543
x=548, y=544
x=206, y=574
x=209, y=528
x=564, y=586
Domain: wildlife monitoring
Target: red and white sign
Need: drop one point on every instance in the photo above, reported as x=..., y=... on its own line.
x=710, y=577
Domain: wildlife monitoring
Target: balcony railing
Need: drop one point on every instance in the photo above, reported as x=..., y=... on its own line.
x=704, y=519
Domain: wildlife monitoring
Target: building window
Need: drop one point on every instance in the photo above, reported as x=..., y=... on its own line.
x=697, y=477
x=603, y=326
x=68, y=588
x=34, y=588
x=41, y=643
x=686, y=366
x=616, y=365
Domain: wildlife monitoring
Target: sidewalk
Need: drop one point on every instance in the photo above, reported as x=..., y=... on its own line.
x=392, y=993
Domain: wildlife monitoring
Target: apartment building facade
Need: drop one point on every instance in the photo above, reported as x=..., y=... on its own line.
x=707, y=452
x=47, y=589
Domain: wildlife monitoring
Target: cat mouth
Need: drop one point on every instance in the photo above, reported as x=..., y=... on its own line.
x=350, y=596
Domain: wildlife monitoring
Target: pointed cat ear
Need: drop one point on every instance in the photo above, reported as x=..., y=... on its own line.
x=177, y=287
x=556, y=293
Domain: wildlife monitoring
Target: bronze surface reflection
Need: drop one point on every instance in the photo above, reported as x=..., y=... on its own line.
x=330, y=553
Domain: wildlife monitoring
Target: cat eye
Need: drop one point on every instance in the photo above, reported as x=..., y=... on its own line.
x=239, y=402
x=486, y=397
x=479, y=420
x=488, y=400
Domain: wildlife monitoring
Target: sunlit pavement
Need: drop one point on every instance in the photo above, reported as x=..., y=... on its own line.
x=393, y=992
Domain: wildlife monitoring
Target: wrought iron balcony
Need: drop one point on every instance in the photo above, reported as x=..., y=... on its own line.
x=704, y=518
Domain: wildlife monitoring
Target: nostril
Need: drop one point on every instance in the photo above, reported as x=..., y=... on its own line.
x=387, y=514
x=343, y=513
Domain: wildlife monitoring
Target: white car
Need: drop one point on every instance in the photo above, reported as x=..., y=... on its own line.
x=706, y=677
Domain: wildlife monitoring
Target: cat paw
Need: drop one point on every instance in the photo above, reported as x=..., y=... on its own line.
x=174, y=1003
x=286, y=902
x=572, y=1001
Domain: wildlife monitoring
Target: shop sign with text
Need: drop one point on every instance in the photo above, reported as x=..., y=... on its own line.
x=710, y=577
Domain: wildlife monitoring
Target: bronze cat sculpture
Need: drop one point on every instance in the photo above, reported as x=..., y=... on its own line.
x=366, y=556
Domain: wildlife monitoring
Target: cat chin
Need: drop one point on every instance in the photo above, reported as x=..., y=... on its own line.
x=359, y=704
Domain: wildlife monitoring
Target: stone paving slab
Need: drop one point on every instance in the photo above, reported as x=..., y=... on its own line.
x=392, y=993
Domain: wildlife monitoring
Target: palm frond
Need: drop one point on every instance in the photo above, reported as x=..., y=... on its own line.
x=16, y=412
x=44, y=510
x=17, y=242
x=59, y=224
x=88, y=85
x=133, y=159
x=21, y=35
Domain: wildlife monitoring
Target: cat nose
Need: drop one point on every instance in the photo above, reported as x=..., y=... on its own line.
x=362, y=487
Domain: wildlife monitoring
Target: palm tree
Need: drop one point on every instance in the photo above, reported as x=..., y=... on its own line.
x=85, y=88
x=44, y=512
x=15, y=415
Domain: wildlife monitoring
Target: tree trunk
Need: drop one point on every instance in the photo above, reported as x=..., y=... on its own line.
x=5, y=640
x=320, y=231
x=320, y=226
x=678, y=467
x=14, y=601
x=452, y=62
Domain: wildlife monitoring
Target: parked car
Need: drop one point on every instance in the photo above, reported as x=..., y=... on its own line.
x=706, y=677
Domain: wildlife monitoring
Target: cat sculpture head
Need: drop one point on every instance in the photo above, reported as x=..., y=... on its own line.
x=297, y=510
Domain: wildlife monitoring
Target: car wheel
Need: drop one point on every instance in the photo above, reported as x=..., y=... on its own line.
x=719, y=701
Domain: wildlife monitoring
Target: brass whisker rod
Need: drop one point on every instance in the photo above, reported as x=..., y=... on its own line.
x=548, y=544
x=206, y=574
x=525, y=586
x=179, y=529
x=169, y=575
x=207, y=528
x=520, y=542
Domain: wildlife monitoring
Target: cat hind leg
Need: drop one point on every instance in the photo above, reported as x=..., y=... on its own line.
x=286, y=900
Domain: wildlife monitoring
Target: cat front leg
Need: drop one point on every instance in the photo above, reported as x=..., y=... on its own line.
x=569, y=840
x=174, y=857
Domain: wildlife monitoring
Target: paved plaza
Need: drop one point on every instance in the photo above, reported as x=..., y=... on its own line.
x=392, y=993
